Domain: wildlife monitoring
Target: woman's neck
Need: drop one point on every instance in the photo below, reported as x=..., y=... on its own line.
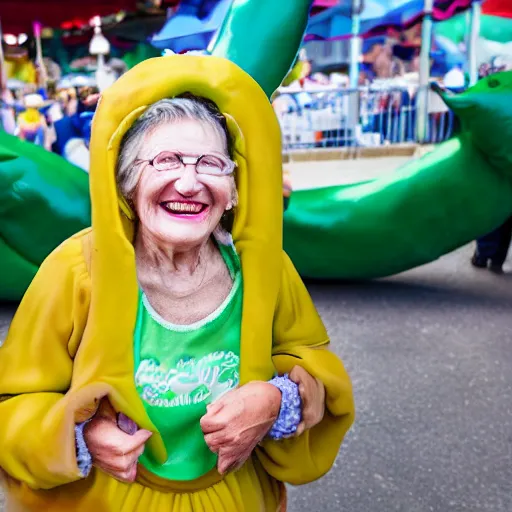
x=168, y=259
x=183, y=285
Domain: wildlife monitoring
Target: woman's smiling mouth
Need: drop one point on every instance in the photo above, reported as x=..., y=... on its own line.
x=184, y=208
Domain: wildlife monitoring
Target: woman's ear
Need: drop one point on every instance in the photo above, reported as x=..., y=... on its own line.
x=234, y=197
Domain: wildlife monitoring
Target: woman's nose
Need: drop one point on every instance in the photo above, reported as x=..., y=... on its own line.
x=187, y=184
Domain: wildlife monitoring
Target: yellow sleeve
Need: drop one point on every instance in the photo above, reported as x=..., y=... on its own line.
x=300, y=339
x=37, y=440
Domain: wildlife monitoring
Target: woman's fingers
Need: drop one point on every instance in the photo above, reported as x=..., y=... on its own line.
x=120, y=443
x=112, y=450
x=300, y=429
x=297, y=374
x=122, y=467
x=231, y=460
x=225, y=461
x=136, y=441
x=118, y=461
x=216, y=439
x=215, y=407
x=312, y=394
x=216, y=417
x=128, y=475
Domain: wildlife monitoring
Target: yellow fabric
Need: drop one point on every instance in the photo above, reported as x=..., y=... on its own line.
x=70, y=343
x=31, y=116
x=21, y=69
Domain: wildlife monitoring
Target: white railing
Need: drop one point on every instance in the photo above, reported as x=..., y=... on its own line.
x=334, y=117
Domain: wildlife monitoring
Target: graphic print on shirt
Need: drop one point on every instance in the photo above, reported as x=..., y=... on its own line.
x=191, y=381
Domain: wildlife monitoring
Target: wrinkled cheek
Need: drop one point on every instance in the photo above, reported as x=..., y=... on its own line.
x=226, y=195
x=150, y=216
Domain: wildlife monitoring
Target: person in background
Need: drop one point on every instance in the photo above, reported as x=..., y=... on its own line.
x=492, y=249
x=76, y=149
x=71, y=140
x=31, y=123
x=7, y=117
x=455, y=79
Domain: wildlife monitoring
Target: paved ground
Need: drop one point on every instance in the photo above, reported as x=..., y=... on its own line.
x=335, y=172
x=430, y=354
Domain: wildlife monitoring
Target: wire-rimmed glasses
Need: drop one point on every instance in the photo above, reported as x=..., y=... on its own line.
x=212, y=164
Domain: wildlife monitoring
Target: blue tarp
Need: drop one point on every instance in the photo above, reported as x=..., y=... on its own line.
x=193, y=25
x=196, y=21
x=336, y=22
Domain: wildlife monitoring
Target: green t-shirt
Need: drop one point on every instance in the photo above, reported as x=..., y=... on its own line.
x=180, y=369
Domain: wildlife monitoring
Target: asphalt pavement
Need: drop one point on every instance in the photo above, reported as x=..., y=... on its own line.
x=430, y=355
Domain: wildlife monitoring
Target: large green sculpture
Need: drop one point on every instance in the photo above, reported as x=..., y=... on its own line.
x=43, y=201
x=360, y=231
x=263, y=38
x=419, y=212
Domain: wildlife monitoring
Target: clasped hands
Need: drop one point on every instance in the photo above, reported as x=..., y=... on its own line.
x=235, y=423
x=233, y=426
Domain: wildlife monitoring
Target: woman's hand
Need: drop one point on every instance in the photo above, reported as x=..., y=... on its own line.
x=312, y=394
x=113, y=451
x=235, y=423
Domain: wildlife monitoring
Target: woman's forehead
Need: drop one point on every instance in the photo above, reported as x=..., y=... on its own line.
x=186, y=134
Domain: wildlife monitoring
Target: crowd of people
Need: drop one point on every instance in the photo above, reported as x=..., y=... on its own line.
x=57, y=119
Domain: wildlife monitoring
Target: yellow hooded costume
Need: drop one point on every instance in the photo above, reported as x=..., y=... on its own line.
x=71, y=341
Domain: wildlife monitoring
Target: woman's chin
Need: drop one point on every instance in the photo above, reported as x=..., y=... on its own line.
x=184, y=230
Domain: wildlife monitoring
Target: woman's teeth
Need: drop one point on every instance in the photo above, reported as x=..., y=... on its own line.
x=177, y=207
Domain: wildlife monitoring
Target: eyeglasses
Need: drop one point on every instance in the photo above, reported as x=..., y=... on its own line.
x=214, y=165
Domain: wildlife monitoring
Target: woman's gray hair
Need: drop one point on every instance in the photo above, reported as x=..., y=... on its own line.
x=165, y=111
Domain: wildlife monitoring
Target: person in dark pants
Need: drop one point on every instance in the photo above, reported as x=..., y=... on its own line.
x=491, y=249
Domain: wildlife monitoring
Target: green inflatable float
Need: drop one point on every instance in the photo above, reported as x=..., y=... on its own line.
x=365, y=230
x=419, y=212
x=43, y=201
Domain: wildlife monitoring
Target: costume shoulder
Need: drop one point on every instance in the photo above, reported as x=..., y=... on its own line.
x=296, y=318
x=71, y=256
x=36, y=366
x=300, y=338
x=50, y=318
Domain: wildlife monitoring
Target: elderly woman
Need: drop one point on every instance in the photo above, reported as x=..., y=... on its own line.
x=170, y=358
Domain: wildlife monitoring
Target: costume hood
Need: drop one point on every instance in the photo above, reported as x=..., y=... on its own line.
x=257, y=231
x=251, y=122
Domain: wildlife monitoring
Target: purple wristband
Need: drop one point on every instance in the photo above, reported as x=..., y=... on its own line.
x=290, y=414
x=83, y=456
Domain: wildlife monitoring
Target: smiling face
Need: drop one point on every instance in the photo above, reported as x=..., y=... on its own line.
x=181, y=208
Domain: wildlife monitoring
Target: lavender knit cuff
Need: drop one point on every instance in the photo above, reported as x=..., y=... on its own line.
x=83, y=456
x=290, y=414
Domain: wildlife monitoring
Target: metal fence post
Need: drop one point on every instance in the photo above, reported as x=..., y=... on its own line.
x=422, y=98
x=474, y=32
